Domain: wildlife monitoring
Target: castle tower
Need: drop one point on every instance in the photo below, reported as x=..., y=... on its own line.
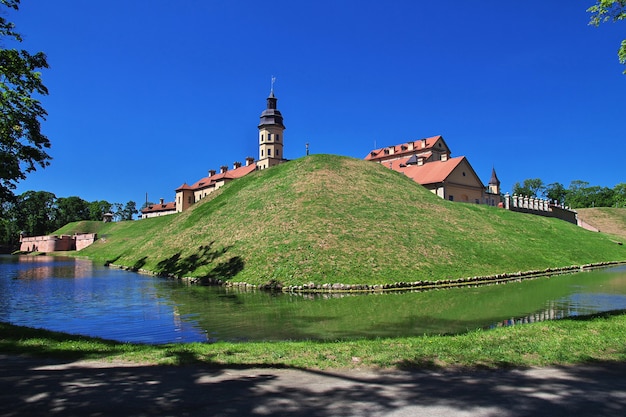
x=271, y=135
x=494, y=183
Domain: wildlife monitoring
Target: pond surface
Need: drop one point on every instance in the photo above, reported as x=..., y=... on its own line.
x=77, y=296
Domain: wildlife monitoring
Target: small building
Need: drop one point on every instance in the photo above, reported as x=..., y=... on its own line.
x=156, y=210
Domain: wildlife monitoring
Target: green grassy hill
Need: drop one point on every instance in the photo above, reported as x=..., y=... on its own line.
x=606, y=219
x=331, y=219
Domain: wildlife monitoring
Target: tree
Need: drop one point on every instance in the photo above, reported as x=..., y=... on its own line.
x=34, y=213
x=71, y=209
x=98, y=208
x=619, y=195
x=9, y=234
x=129, y=210
x=533, y=187
x=22, y=145
x=556, y=192
x=614, y=10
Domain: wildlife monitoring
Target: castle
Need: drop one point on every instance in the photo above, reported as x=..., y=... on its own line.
x=271, y=153
x=426, y=161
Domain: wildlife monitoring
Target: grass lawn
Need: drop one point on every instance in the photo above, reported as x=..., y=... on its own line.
x=562, y=342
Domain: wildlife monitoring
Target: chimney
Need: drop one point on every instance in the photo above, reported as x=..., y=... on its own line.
x=249, y=161
x=223, y=169
x=211, y=172
x=423, y=143
x=411, y=145
x=161, y=201
x=236, y=165
x=392, y=150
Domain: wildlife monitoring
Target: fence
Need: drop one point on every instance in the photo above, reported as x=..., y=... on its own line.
x=540, y=207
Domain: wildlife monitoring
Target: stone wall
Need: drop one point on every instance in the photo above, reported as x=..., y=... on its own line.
x=56, y=243
x=85, y=239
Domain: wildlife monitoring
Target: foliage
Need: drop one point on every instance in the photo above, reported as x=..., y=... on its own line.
x=34, y=212
x=22, y=145
x=38, y=213
x=71, y=209
x=579, y=194
x=610, y=10
x=127, y=212
x=97, y=209
x=533, y=187
x=124, y=212
x=556, y=192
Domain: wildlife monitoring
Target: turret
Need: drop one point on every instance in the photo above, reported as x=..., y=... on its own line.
x=271, y=139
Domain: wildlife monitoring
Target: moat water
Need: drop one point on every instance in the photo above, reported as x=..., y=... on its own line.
x=77, y=296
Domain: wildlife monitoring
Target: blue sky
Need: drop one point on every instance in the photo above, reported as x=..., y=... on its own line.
x=148, y=94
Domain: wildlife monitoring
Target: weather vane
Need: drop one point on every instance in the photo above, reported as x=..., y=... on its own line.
x=272, y=86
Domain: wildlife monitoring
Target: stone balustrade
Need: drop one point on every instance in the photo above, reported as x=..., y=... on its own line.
x=539, y=206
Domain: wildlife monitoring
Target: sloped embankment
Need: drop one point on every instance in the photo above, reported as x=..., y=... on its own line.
x=331, y=219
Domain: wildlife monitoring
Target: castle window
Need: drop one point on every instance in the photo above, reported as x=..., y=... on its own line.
x=269, y=152
x=451, y=197
x=262, y=137
x=277, y=152
x=261, y=152
x=277, y=138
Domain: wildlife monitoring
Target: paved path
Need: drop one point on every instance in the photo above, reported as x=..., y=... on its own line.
x=34, y=387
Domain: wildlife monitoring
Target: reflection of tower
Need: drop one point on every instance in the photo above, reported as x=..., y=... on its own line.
x=271, y=134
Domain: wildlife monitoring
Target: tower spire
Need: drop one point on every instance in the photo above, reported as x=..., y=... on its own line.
x=271, y=129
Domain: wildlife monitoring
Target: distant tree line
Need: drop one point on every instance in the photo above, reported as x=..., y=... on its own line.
x=37, y=213
x=579, y=194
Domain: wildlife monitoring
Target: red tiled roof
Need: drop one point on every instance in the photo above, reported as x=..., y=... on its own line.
x=228, y=175
x=159, y=207
x=183, y=187
x=403, y=148
x=429, y=173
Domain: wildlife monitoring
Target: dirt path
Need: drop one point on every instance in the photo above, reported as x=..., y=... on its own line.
x=53, y=388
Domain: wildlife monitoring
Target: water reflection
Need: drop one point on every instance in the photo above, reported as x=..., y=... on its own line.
x=77, y=296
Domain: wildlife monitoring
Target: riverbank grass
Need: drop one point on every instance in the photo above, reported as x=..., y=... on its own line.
x=562, y=342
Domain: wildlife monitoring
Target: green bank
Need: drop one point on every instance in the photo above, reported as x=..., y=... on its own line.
x=562, y=342
x=332, y=219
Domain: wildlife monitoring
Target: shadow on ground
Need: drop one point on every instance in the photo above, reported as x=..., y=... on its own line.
x=178, y=265
x=43, y=387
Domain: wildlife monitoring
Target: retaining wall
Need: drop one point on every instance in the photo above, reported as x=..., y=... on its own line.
x=56, y=243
